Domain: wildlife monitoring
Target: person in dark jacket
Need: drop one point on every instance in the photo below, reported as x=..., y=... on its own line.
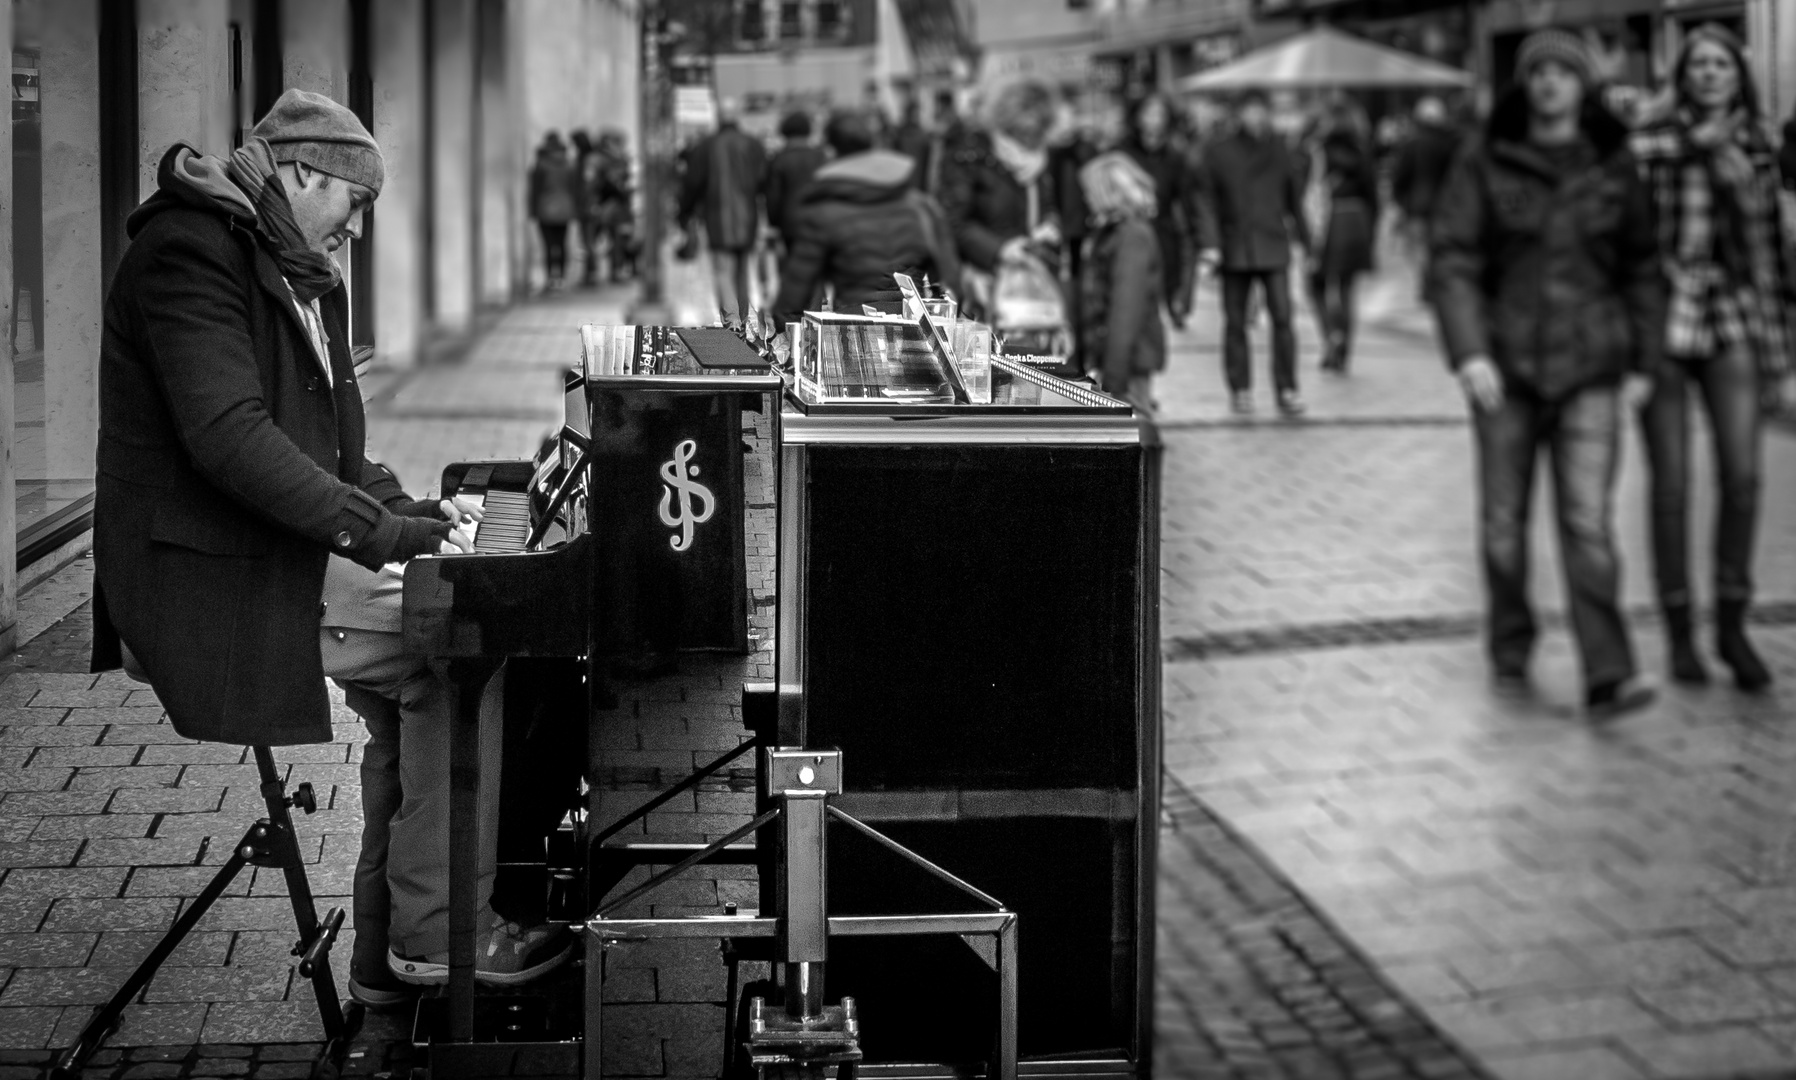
x=1250, y=196
x=1123, y=281
x=723, y=184
x=554, y=203
x=1149, y=142
x=787, y=174
x=231, y=467
x=998, y=190
x=1347, y=175
x=1716, y=187
x=861, y=219
x=1421, y=166
x=1550, y=302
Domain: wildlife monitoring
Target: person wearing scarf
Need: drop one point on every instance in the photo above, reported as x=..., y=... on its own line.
x=232, y=468
x=1714, y=177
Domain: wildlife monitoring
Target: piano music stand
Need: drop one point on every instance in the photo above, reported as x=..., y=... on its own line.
x=269, y=842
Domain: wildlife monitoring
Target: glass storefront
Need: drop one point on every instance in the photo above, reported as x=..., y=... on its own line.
x=45, y=498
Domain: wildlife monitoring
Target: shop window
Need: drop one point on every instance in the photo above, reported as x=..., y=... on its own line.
x=751, y=22
x=832, y=20
x=40, y=496
x=791, y=20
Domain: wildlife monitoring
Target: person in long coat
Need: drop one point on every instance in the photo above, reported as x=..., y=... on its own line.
x=998, y=189
x=1251, y=198
x=722, y=186
x=1149, y=141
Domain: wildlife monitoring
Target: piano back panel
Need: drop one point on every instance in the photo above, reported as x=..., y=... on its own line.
x=980, y=642
x=664, y=586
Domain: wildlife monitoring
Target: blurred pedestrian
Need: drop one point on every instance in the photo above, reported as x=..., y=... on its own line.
x=1149, y=140
x=910, y=138
x=723, y=184
x=1251, y=192
x=1000, y=195
x=1342, y=198
x=1420, y=169
x=1123, y=283
x=1551, y=305
x=790, y=169
x=616, y=215
x=861, y=219
x=554, y=202
x=585, y=157
x=947, y=131
x=1714, y=177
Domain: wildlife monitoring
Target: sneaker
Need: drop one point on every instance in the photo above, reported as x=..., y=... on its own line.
x=381, y=994
x=1290, y=403
x=510, y=955
x=1241, y=401
x=418, y=970
x=1607, y=701
x=1510, y=682
x=515, y=954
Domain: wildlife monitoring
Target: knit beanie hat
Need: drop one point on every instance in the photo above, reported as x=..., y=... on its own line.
x=1553, y=44
x=318, y=131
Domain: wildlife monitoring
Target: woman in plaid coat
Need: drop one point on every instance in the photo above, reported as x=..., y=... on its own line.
x=1714, y=178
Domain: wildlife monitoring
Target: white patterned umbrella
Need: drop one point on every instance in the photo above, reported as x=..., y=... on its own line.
x=1325, y=57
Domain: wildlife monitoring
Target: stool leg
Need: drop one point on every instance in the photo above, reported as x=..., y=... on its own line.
x=103, y=1023
x=285, y=852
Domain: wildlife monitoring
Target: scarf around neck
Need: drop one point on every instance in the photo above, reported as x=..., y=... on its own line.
x=246, y=186
x=1719, y=149
x=1018, y=160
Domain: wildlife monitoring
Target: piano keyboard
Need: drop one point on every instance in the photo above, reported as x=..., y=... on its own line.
x=506, y=523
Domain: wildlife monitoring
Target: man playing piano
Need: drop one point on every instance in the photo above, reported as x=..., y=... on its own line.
x=231, y=468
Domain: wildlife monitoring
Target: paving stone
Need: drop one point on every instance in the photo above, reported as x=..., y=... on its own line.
x=111, y=778
x=238, y=983
x=127, y=948
x=93, y=826
x=46, y=950
x=38, y=853
x=192, y=754
x=63, y=986
x=84, y=755
x=258, y=1022
x=98, y=915
x=48, y=884
x=28, y=1027
x=143, y=853
x=166, y=800
x=104, y=717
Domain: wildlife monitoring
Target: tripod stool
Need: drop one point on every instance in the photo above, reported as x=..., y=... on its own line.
x=269, y=842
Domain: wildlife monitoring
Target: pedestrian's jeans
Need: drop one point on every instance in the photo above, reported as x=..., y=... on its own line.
x=1582, y=437
x=1730, y=392
x=729, y=274
x=1237, y=286
x=402, y=877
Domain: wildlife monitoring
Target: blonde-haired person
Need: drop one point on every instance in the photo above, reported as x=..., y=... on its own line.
x=1121, y=281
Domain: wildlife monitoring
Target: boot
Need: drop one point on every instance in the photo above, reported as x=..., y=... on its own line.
x=1750, y=673
x=1680, y=641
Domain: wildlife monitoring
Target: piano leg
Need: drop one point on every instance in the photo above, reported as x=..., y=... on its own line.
x=468, y=679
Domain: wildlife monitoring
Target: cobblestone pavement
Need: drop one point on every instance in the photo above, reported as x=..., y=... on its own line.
x=1567, y=902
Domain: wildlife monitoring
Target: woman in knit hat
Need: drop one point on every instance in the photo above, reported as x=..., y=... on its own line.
x=1714, y=175
x=1547, y=288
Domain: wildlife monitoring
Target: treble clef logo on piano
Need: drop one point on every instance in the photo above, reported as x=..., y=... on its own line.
x=677, y=473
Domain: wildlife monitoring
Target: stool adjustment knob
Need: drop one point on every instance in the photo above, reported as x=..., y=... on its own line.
x=305, y=798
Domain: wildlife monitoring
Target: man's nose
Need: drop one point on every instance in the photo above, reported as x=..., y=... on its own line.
x=354, y=228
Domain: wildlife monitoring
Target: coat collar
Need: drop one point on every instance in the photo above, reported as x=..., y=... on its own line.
x=268, y=276
x=1528, y=159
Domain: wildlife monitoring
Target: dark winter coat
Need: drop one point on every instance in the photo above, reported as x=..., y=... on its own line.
x=787, y=174
x=986, y=205
x=1421, y=168
x=229, y=471
x=861, y=219
x=1122, y=293
x=1552, y=272
x=1175, y=221
x=723, y=183
x=1250, y=196
x=554, y=188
